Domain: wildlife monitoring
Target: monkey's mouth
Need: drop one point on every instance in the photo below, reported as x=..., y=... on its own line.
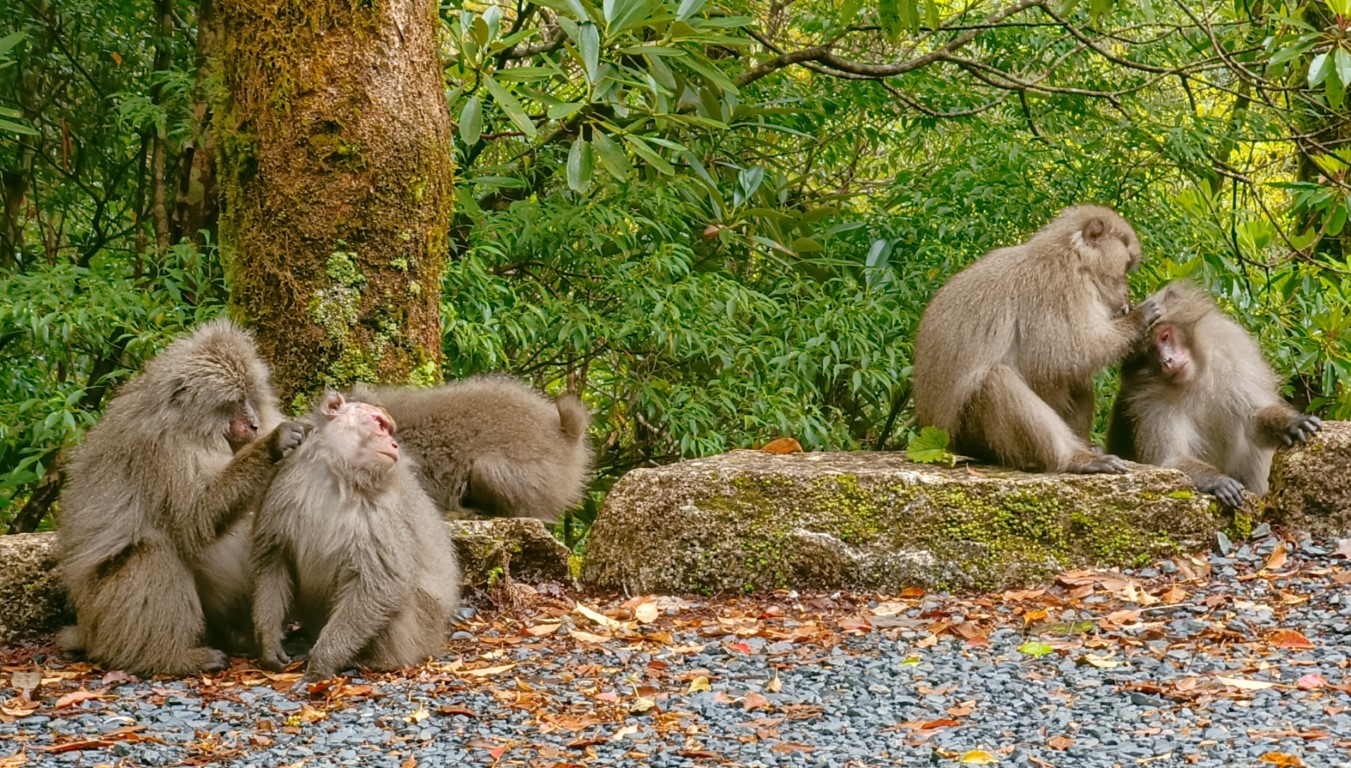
x=1177, y=372
x=389, y=453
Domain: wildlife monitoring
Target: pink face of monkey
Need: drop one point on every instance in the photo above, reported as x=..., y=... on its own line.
x=360, y=433
x=1173, y=353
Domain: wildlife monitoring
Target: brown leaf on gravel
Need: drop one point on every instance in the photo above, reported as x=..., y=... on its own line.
x=1289, y=638
x=75, y=697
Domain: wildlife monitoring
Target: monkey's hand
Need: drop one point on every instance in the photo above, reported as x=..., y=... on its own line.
x=316, y=672
x=1149, y=311
x=1225, y=488
x=1302, y=427
x=285, y=438
x=1097, y=463
x=273, y=659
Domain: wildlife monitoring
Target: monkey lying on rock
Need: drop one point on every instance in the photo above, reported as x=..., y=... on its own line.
x=148, y=541
x=1198, y=396
x=1006, y=350
x=348, y=543
x=492, y=445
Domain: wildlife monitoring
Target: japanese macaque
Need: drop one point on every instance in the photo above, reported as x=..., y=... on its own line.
x=492, y=446
x=150, y=520
x=1007, y=349
x=348, y=543
x=1198, y=396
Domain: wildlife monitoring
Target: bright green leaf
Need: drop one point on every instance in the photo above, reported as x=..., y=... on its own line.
x=588, y=43
x=1035, y=648
x=579, y=166
x=1319, y=69
x=688, y=8
x=612, y=156
x=511, y=107
x=930, y=446
x=471, y=121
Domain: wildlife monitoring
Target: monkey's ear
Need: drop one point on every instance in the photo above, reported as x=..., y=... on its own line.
x=331, y=403
x=1094, y=229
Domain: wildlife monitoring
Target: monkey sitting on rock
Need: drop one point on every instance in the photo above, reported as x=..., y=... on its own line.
x=1198, y=396
x=491, y=445
x=1006, y=351
x=151, y=540
x=347, y=542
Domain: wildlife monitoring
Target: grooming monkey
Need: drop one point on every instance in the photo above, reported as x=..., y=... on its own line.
x=150, y=515
x=492, y=445
x=1198, y=396
x=1007, y=349
x=347, y=542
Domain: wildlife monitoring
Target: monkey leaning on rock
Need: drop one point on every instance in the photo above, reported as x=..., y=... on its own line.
x=347, y=542
x=150, y=516
x=492, y=445
x=1006, y=351
x=1198, y=396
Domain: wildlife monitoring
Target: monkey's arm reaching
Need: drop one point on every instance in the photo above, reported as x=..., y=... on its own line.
x=1282, y=426
x=222, y=499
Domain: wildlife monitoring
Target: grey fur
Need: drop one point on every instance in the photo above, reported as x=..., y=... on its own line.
x=150, y=515
x=355, y=550
x=492, y=446
x=1006, y=350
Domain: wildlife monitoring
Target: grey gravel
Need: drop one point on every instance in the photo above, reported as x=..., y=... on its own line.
x=794, y=680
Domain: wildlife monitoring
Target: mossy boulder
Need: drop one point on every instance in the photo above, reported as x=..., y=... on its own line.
x=750, y=520
x=1311, y=484
x=33, y=604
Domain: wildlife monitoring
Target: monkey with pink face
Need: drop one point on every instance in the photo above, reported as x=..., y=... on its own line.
x=348, y=543
x=1198, y=396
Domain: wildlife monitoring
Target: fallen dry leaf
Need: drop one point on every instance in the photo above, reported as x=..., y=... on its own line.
x=1277, y=558
x=646, y=613
x=1247, y=685
x=1280, y=758
x=1289, y=638
x=486, y=671
x=698, y=684
x=541, y=630
x=75, y=697
x=598, y=617
x=978, y=757
x=782, y=445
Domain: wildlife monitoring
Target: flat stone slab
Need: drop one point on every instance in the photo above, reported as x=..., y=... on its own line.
x=751, y=520
x=1311, y=486
x=33, y=604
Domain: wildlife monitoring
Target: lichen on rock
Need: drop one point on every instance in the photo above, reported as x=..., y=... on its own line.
x=750, y=520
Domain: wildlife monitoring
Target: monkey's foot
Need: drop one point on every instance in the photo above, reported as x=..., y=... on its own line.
x=207, y=660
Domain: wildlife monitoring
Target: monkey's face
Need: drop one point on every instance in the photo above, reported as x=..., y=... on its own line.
x=243, y=425
x=1172, y=352
x=361, y=433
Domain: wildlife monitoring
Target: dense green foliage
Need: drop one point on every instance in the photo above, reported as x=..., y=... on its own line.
x=720, y=221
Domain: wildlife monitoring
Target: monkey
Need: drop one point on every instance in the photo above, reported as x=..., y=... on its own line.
x=492, y=446
x=157, y=485
x=1198, y=396
x=1006, y=351
x=347, y=542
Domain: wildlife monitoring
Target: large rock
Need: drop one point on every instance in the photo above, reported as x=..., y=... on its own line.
x=33, y=604
x=750, y=520
x=1311, y=485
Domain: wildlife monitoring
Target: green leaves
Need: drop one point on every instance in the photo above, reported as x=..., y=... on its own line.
x=471, y=121
x=515, y=112
x=930, y=446
x=579, y=165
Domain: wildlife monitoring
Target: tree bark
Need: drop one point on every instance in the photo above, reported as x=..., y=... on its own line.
x=335, y=173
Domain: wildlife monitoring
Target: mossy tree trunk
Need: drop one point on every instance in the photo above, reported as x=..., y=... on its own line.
x=335, y=160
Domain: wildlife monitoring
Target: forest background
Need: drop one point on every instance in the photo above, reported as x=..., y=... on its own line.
x=720, y=221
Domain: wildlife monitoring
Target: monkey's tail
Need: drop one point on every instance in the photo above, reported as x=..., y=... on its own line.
x=573, y=416
x=69, y=640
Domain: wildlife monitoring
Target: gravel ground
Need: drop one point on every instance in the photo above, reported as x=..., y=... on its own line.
x=1237, y=659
